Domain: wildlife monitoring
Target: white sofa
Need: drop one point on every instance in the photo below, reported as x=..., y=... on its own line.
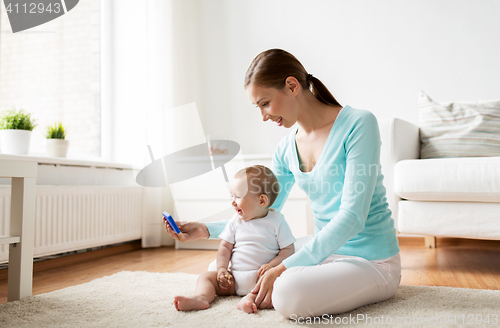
x=448, y=197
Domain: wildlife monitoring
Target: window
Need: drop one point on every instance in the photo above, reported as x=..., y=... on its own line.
x=53, y=72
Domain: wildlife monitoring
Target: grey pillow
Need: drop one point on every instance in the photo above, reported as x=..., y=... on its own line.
x=458, y=129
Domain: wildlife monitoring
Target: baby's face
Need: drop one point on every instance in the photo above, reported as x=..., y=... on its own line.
x=245, y=203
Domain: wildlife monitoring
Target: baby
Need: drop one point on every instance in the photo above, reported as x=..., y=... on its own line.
x=256, y=239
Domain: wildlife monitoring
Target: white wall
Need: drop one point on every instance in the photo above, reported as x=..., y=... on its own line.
x=374, y=55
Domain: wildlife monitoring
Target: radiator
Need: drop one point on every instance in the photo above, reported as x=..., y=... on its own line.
x=69, y=218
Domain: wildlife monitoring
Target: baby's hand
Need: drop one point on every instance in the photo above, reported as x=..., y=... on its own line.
x=224, y=278
x=263, y=269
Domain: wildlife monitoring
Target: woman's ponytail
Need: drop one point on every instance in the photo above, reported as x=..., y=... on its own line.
x=320, y=91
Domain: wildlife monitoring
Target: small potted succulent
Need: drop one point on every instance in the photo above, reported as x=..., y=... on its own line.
x=15, y=131
x=57, y=145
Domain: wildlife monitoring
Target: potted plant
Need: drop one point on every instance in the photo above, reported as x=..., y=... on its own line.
x=15, y=131
x=57, y=145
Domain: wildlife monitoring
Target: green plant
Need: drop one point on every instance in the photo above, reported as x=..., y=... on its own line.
x=16, y=120
x=56, y=131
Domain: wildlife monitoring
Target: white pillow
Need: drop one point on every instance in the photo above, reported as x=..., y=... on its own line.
x=454, y=129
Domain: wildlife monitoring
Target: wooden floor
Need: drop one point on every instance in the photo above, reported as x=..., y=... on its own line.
x=455, y=263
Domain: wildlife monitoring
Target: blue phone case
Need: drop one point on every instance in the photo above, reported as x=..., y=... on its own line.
x=171, y=222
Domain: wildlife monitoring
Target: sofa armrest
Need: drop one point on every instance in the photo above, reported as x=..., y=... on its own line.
x=400, y=140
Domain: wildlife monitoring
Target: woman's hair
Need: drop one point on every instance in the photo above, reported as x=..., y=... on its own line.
x=260, y=180
x=271, y=68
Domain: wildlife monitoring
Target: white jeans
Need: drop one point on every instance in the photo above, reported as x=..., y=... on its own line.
x=337, y=285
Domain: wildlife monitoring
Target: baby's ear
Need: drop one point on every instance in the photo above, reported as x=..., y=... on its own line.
x=263, y=200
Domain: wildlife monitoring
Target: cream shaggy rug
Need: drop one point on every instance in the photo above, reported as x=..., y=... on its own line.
x=144, y=299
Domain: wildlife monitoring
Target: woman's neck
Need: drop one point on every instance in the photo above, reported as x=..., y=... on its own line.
x=313, y=114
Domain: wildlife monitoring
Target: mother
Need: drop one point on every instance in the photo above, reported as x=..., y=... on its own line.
x=334, y=156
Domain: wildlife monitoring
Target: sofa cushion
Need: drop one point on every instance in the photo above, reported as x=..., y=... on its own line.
x=473, y=179
x=458, y=129
x=450, y=219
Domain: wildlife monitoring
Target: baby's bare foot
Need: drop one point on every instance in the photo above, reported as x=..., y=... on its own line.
x=183, y=303
x=247, y=306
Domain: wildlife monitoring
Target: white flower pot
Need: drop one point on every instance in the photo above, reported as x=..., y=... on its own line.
x=57, y=147
x=15, y=142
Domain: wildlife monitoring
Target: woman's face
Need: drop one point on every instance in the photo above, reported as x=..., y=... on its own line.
x=276, y=105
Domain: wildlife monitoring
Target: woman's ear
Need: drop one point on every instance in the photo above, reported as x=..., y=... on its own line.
x=292, y=85
x=263, y=200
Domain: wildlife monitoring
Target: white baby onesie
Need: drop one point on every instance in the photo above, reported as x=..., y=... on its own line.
x=256, y=242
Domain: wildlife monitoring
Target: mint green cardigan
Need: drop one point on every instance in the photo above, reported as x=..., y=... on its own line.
x=346, y=190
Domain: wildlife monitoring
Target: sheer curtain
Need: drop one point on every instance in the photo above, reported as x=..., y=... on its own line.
x=134, y=84
x=149, y=77
x=148, y=92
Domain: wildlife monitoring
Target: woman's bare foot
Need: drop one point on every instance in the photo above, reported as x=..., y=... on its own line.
x=247, y=306
x=183, y=303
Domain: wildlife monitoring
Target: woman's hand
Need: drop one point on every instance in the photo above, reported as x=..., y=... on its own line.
x=189, y=230
x=224, y=278
x=265, y=285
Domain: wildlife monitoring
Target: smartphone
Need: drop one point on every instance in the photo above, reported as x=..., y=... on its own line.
x=171, y=222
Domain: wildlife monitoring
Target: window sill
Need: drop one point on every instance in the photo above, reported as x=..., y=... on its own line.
x=41, y=158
